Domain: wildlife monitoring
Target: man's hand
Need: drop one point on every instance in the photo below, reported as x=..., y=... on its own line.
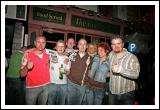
x=114, y=68
x=30, y=65
x=65, y=53
x=66, y=62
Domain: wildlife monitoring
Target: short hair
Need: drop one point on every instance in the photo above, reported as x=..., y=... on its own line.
x=117, y=37
x=82, y=39
x=41, y=37
x=70, y=38
x=92, y=43
x=105, y=46
x=60, y=41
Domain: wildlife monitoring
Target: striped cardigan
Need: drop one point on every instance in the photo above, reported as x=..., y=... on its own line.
x=128, y=69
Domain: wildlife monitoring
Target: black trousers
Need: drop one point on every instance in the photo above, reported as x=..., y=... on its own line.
x=122, y=99
x=14, y=91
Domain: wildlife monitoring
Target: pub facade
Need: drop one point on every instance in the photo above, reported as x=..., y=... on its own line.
x=61, y=22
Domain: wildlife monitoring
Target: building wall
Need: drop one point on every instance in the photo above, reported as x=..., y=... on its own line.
x=18, y=36
x=39, y=26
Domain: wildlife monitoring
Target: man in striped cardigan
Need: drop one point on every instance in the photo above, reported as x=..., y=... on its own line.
x=124, y=69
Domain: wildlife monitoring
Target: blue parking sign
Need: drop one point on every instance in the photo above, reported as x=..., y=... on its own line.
x=132, y=47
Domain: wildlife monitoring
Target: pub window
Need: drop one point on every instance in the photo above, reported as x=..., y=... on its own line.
x=108, y=41
x=88, y=38
x=95, y=40
x=102, y=40
x=52, y=38
x=78, y=37
x=71, y=35
x=50, y=45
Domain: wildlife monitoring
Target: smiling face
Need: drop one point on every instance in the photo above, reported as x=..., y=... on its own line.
x=117, y=45
x=60, y=47
x=91, y=49
x=70, y=43
x=82, y=45
x=101, y=52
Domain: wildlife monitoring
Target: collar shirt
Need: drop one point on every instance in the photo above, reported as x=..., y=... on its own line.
x=128, y=68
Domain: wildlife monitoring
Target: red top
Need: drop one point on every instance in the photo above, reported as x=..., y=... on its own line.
x=39, y=75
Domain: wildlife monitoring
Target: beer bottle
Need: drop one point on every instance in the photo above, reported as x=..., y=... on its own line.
x=61, y=72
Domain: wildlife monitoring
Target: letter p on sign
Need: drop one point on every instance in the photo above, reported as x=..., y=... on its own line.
x=132, y=47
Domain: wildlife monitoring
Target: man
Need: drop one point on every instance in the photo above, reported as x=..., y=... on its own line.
x=14, y=91
x=35, y=67
x=58, y=87
x=92, y=49
x=76, y=87
x=124, y=68
x=70, y=44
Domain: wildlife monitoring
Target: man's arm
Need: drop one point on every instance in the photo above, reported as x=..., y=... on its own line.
x=23, y=72
x=130, y=69
x=26, y=65
x=67, y=68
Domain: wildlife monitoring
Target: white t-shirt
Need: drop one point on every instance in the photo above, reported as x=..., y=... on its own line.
x=55, y=63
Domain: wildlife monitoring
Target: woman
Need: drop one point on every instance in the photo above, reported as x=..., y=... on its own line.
x=97, y=74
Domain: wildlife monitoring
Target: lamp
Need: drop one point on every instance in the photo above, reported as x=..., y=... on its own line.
x=83, y=12
x=90, y=13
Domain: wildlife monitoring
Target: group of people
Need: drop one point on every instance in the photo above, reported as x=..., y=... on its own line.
x=77, y=77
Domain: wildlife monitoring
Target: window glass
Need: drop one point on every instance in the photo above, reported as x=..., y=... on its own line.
x=88, y=38
x=52, y=38
x=78, y=37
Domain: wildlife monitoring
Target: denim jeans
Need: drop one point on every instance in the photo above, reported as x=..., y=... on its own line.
x=121, y=99
x=57, y=94
x=37, y=95
x=94, y=96
x=75, y=93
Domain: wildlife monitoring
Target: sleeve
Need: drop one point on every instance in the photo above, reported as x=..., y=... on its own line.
x=24, y=60
x=51, y=52
x=131, y=69
x=47, y=51
x=68, y=65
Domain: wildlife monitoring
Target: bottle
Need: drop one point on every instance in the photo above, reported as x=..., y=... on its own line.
x=61, y=72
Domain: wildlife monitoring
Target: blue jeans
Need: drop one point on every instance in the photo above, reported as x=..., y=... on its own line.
x=37, y=95
x=57, y=94
x=94, y=96
x=121, y=99
x=75, y=93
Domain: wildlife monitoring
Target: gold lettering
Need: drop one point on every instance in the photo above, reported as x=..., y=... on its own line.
x=60, y=18
x=38, y=13
x=49, y=17
x=85, y=23
x=77, y=21
x=54, y=18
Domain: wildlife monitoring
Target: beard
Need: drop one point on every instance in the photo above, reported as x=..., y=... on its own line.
x=117, y=50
